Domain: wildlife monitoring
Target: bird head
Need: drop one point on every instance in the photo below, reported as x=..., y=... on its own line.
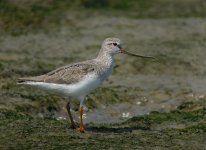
x=114, y=46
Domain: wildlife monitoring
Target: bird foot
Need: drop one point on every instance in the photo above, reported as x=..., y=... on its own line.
x=73, y=126
x=82, y=130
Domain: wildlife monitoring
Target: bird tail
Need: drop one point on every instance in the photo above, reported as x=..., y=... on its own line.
x=25, y=80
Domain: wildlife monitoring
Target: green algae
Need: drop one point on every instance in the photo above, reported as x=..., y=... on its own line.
x=22, y=17
x=25, y=132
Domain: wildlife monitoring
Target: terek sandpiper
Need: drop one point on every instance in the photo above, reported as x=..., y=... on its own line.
x=79, y=79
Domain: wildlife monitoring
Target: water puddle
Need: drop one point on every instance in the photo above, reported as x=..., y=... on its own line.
x=123, y=111
x=120, y=112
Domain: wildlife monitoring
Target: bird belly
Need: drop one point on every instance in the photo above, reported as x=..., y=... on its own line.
x=81, y=88
x=85, y=86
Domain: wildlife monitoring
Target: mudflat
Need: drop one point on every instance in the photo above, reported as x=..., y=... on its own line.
x=144, y=104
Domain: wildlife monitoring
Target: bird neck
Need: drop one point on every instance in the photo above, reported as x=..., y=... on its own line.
x=105, y=58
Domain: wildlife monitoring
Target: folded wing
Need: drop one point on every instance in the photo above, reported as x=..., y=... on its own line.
x=63, y=75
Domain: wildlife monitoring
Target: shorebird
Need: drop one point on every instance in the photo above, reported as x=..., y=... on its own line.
x=79, y=79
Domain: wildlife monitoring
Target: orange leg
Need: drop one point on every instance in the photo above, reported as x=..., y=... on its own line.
x=81, y=128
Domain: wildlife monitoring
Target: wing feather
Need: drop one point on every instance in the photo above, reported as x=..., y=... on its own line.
x=64, y=75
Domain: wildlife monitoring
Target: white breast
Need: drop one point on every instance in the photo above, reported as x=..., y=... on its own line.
x=81, y=88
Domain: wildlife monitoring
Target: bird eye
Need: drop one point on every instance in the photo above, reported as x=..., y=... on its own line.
x=115, y=44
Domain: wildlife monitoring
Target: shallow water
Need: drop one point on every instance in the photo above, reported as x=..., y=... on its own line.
x=121, y=112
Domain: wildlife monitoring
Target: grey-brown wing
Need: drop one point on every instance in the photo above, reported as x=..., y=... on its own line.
x=69, y=74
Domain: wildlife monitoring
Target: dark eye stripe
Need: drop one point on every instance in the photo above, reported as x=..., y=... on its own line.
x=115, y=44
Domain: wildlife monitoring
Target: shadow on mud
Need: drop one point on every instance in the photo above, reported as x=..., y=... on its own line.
x=115, y=130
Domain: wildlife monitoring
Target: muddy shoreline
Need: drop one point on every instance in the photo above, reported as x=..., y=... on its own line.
x=143, y=105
